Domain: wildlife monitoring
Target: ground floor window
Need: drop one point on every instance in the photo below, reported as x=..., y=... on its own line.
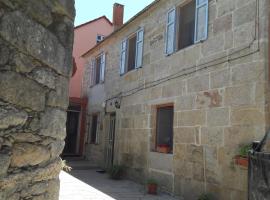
x=164, y=129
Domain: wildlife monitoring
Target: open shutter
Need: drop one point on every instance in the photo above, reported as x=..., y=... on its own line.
x=93, y=72
x=102, y=67
x=139, y=48
x=201, y=21
x=123, y=56
x=170, y=31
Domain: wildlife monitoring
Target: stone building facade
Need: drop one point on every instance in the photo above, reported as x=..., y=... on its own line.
x=36, y=40
x=214, y=86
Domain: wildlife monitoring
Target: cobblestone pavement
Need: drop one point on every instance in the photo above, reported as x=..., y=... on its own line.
x=90, y=185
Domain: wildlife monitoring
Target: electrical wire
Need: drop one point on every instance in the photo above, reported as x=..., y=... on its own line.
x=197, y=68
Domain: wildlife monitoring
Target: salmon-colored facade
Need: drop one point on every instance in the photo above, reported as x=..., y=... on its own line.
x=85, y=37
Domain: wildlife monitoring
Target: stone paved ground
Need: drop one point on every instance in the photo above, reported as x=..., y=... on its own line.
x=90, y=185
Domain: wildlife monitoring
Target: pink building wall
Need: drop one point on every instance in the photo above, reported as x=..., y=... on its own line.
x=84, y=39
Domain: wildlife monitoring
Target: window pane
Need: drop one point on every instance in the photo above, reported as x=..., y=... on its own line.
x=139, y=53
x=165, y=127
x=186, y=25
x=199, y=2
x=123, y=60
x=201, y=23
x=98, y=65
x=131, y=53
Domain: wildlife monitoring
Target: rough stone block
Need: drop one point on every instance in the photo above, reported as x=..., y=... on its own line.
x=247, y=116
x=185, y=103
x=248, y=72
x=195, y=154
x=163, y=162
x=213, y=45
x=16, y=27
x=212, y=136
x=26, y=154
x=218, y=117
x=10, y=117
x=15, y=92
x=4, y=163
x=219, y=79
x=53, y=124
x=44, y=77
x=244, y=14
x=198, y=83
x=172, y=90
x=225, y=7
x=222, y=24
x=186, y=135
x=242, y=134
x=60, y=96
x=239, y=95
x=191, y=118
x=212, y=98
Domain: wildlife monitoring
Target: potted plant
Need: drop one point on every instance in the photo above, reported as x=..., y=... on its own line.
x=163, y=148
x=242, y=157
x=116, y=172
x=205, y=196
x=152, y=186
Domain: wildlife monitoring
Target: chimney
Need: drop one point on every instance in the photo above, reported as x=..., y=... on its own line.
x=118, y=15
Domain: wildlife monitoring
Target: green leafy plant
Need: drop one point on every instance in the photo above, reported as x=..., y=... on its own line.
x=116, y=172
x=244, y=149
x=151, y=181
x=205, y=196
x=64, y=166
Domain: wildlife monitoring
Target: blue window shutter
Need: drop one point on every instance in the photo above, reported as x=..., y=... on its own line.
x=170, y=32
x=123, y=55
x=139, y=47
x=102, y=67
x=201, y=21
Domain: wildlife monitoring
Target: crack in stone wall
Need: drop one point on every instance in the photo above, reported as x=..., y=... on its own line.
x=36, y=39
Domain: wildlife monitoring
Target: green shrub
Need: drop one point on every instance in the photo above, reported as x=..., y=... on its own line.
x=151, y=181
x=244, y=149
x=116, y=172
x=205, y=197
x=64, y=166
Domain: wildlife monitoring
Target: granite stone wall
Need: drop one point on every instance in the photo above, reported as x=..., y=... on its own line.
x=219, y=89
x=36, y=40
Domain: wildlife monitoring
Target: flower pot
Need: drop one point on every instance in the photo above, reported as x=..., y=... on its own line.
x=152, y=188
x=242, y=161
x=163, y=149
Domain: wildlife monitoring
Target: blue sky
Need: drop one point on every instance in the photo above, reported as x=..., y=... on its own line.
x=87, y=10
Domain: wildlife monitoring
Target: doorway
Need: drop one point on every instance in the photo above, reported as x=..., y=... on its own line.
x=72, y=128
x=110, y=142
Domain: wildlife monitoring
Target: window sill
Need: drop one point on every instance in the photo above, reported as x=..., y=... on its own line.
x=129, y=72
x=161, y=153
x=185, y=48
x=102, y=83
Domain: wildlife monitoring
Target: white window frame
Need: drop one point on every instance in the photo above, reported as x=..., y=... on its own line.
x=102, y=69
x=176, y=21
x=124, y=52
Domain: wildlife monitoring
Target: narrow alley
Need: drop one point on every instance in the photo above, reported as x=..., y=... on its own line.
x=89, y=185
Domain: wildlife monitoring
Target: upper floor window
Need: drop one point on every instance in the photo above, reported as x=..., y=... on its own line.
x=100, y=38
x=131, y=52
x=98, y=69
x=186, y=25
